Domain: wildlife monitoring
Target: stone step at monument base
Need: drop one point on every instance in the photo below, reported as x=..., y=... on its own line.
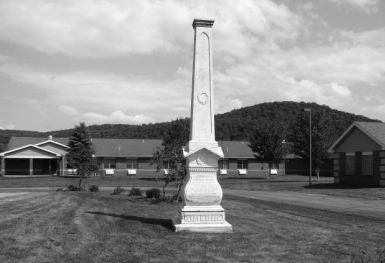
x=207, y=219
x=203, y=228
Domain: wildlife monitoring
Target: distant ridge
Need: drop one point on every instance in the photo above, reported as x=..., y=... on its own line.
x=231, y=126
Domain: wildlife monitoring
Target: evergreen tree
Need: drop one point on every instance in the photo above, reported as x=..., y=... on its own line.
x=268, y=142
x=322, y=137
x=80, y=154
x=171, y=153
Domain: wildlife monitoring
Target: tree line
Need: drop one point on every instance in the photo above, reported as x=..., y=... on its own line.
x=235, y=125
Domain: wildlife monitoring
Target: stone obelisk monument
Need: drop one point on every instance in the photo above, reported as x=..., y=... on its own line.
x=202, y=195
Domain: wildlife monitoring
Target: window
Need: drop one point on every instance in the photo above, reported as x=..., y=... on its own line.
x=242, y=164
x=166, y=164
x=109, y=163
x=275, y=166
x=367, y=164
x=223, y=164
x=132, y=164
x=350, y=164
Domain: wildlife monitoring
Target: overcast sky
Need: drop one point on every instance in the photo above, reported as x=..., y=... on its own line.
x=104, y=61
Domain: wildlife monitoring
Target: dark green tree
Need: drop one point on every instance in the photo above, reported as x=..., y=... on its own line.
x=322, y=137
x=268, y=142
x=80, y=153
x=171, y=153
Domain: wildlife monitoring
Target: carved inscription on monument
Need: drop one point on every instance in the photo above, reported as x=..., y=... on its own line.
x=203, y=189
x=208, y=218
x=203, y=97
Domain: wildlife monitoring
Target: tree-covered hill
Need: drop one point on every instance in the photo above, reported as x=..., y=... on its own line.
x=233, y=125
x=237, y=124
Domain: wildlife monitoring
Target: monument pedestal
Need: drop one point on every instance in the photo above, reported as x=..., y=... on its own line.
x=202, y=194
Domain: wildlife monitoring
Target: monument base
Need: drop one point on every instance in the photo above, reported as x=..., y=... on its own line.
x=204, y=219
x=203, y=228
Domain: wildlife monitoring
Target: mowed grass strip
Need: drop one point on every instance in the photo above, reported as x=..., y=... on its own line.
x=98, y=227
x=57, y=182
x=298, y=183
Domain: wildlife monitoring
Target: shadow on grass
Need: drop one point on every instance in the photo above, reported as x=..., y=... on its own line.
x=166, y=223
x=337, y=186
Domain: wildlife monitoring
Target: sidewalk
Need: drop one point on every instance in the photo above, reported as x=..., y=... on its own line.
x=355, y=206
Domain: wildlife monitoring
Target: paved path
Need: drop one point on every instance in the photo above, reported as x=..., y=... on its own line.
x=2, y=195
x=356, y=206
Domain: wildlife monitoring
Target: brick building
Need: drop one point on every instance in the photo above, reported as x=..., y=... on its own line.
x=132, y=157
x=359, y=154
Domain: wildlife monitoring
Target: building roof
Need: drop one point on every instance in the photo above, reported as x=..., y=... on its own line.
x=23, y=148
x=17, y=142
x=374, y=130
x=125, y=147
x=133, y=147
x=236, y=149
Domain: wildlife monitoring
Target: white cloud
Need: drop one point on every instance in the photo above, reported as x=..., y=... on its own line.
x=68, y=110
x=10, y=126
x=102, y=28
x=116, y=117
x=263, y=51
x=90, y=90
x=368, y=6
x=232, y=104
x=350, y=58
x=306, y=90
x=376, y=111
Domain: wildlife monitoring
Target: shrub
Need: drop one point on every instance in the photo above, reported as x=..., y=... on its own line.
x=118, y=190
x=153, y=193
x=94, y=188
x=135, y=192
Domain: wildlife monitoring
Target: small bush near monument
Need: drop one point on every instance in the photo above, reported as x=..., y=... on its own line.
x=118, y=190
x=153, y=193
x=135, y=192
x=94, y=188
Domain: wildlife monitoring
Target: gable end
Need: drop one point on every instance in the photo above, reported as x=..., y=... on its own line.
x=357, y=141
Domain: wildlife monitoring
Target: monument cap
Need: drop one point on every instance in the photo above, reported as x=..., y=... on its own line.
x=202, y=22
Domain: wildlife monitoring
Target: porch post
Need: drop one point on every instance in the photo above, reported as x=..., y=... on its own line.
x=58, y=167
x=50, y=167
x=2, y=166
x=30, y=167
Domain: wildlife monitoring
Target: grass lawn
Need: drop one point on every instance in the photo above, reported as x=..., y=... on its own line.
x=98, y=227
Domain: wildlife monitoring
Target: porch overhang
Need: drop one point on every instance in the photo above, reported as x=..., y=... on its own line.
x=30, y=152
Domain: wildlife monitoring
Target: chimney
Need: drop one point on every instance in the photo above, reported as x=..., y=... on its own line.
x=50, y=137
